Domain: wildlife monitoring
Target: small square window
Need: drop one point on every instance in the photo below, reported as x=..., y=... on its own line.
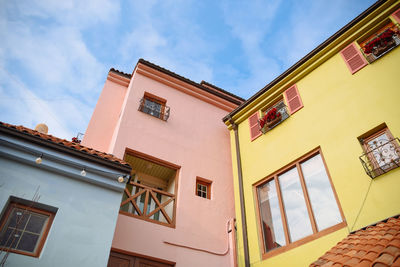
x=24, y=229
x=381, y=152
x=203, y=188
x=154, y=106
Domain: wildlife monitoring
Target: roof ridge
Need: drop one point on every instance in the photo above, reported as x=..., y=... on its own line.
x=229, y=98
x=127, y=75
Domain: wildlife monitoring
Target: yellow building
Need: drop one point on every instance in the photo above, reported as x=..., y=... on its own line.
x=315, y=152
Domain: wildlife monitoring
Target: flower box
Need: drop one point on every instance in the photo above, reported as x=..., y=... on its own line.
x=380, y=44
x=270, y=119
x=274, y=121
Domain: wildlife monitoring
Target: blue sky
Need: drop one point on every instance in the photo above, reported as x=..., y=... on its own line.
x=55, y=55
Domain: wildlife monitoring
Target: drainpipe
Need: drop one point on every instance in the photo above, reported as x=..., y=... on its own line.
x=242, y=205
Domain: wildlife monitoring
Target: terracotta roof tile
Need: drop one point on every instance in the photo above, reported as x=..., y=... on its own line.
x=364, y=263
x=65, y=143
x=396, y=262
x=376, y=245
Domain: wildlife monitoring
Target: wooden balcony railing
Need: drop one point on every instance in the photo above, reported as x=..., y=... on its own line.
x=149, y=204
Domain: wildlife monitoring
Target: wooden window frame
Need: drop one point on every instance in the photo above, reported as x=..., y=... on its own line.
x=45, y=229
x=316, y=234
x=156, y=99
x=205, y=182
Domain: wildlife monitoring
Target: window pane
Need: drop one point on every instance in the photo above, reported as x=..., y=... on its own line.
x=270, y=214
x=295, y=205
x=152, y=108
x=323, y=202
x=18, y=218
x=36, y=223
x=28, y=242
x=383, y=151
x=10, y=238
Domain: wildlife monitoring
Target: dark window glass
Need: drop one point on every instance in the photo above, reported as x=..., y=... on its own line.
x=23, y=229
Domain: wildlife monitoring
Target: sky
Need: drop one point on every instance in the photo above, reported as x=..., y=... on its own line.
x=55, y=55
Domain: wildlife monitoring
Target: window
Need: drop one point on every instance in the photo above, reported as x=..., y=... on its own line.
x=154, y=106
x=296, y=203
x=24, y=228
x=381, y=41
x=276, y=113
x=203, y=188
x=377, y=42
x=381, y=151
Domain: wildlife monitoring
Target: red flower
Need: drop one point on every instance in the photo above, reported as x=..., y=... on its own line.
x=262, y=122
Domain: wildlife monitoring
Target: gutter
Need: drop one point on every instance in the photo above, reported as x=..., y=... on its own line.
x=306, y=58
x=241, y=193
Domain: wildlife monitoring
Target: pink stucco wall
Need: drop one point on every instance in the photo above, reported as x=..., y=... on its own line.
x=194, y=138
x=102, y=125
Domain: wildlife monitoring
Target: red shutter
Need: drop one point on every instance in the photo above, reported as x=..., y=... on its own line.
x=353, y=58
x=293, y=99
x=254, y=128
x=396, y=15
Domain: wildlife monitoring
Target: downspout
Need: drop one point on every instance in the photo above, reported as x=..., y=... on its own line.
x=242, y=204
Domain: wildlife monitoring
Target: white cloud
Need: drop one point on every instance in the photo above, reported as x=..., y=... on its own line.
x=170, y=39
x=55, y=78
x=310, y=23
x=24, y=107
x=251, y=23
x=74, y=13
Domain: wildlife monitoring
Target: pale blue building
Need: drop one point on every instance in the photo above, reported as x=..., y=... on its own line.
x=59, y=201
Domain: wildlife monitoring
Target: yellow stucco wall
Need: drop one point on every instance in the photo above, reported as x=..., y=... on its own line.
x=338, y=108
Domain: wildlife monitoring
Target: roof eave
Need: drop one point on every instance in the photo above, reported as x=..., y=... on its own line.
x=50, y=144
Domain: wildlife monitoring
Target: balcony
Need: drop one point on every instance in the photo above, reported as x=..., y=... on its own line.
x=382, y=157
x=154, y=108
x=381, y=43
x=150, y=194
x=274, y=116
x=149, y=203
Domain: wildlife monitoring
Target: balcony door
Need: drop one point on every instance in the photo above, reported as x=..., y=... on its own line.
x=123, y=260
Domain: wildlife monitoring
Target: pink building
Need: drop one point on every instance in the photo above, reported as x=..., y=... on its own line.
x=178, y=206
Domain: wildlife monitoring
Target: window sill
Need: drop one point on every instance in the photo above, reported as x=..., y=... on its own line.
x=303, y=241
